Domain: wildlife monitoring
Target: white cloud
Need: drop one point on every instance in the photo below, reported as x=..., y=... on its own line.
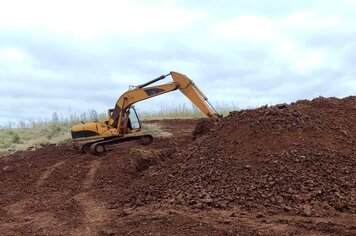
x=308, y=20
x=88, y=18
x=247, y=27
x=284, y=37
x=14, y=59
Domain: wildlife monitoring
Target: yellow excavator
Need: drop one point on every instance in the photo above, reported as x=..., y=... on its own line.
x=123, y=123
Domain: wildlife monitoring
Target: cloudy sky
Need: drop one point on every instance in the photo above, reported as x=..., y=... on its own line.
x=70, y=56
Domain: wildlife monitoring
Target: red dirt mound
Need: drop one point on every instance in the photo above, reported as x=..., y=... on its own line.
x=298, y=158
x=203, y=128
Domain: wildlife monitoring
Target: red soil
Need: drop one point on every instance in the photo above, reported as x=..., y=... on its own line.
x=286, y=169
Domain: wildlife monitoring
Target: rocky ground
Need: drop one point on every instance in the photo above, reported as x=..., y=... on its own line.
x=280, y=170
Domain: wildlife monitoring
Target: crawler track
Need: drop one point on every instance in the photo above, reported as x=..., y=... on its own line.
x=100, y=147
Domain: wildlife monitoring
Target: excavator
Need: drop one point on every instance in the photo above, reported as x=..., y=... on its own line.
x=123, y=124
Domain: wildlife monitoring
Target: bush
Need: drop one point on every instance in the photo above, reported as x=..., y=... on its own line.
x=15, y=138
x=54, y=130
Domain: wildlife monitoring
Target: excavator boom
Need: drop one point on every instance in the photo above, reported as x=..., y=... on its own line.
x=142, y=92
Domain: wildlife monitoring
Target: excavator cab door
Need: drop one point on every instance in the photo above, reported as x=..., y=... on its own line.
x=134, y=121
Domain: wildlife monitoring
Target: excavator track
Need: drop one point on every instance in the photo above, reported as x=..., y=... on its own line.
x=100, y=147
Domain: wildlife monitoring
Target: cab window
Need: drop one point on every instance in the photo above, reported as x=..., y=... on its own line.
x=135, y=123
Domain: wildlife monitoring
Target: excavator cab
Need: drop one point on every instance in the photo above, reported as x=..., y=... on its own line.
x=133, y=124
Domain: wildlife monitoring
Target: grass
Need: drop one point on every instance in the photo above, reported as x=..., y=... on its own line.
x=24, y=138
x=33, y=134
x=155, y=130
x=182, y=111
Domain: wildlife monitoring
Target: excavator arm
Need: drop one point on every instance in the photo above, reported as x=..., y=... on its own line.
x=142, y=92
x=194, y=94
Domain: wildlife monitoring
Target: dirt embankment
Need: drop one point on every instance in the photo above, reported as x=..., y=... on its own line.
x=298, y=158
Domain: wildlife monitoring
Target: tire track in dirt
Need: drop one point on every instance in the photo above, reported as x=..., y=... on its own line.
x=94, y=165
x=47, y=173
x=33, y=222
x=25, y=222
x=95, y=212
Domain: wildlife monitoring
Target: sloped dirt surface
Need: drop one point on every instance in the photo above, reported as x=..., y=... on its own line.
x=281, y=170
